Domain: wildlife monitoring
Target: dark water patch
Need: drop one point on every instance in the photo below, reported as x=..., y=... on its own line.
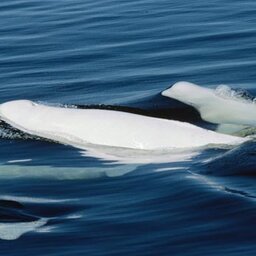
x=172, y=214
x=12, y=211
x=55, y=209
x=238, y=192
x=9, y=203
x=239, y=161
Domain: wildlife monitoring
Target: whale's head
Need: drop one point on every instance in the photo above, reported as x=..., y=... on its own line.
x=188, y=93
x=16, y=109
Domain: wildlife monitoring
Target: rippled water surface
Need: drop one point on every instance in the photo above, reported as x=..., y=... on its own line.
x=58, y=200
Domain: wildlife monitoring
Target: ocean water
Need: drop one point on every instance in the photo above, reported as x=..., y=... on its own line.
x=57, y=200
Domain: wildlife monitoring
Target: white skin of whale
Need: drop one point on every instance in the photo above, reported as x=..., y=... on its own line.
x=212, y=107
x=79, y=127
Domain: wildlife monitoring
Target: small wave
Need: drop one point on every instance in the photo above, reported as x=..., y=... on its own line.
x=25, y=199
x=51, y=173
x=19, y=161
x=218, y=185
x=239, y=161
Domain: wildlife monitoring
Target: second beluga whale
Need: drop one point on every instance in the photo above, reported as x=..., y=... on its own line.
x=219, y=106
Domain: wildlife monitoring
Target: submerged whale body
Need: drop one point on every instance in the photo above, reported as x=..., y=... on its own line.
x=80, y=127
x=221, y=106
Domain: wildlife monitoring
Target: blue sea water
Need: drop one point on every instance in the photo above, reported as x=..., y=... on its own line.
x=56, y=201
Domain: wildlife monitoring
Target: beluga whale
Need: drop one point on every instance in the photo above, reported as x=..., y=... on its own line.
x=219, y=106
x=83, y=127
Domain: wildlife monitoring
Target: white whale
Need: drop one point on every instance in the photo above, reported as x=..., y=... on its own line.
x=79, y=127
x=236, y=113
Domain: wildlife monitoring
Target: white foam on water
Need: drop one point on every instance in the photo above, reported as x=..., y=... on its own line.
x=24, y=199
x=12, y=231
x=47, y=229
x=74, y=216
x=170, y=169
x=19, y=161
x=220, y=106
x=240, y=95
